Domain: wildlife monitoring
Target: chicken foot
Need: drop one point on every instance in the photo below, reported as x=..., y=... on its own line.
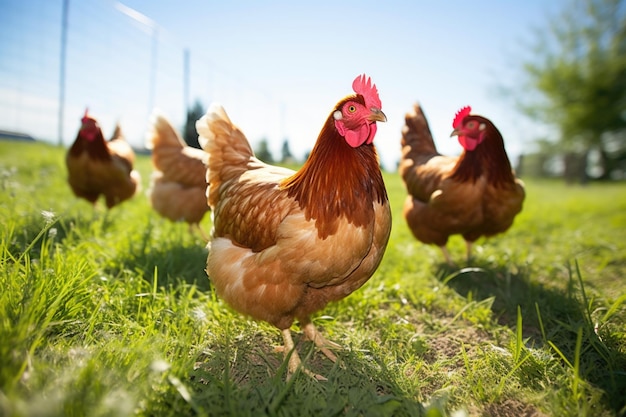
x=446, y=253
x=311, y=333
x=294, y=359
x=447, y=256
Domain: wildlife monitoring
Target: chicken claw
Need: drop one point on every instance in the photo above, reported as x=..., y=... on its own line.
x=294, y=359
x=316, y=337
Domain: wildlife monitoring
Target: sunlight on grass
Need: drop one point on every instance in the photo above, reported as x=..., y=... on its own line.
x=111, y=313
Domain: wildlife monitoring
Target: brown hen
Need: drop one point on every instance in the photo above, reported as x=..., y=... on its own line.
x=97, y=167
x=287, y=243
x=475, y=194
x=178, y=183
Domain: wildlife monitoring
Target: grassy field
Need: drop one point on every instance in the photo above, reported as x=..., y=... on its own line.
x=111, y=314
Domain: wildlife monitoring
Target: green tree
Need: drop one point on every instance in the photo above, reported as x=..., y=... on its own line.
x=190, y=134
x=577, y=78
x=263, y=152
x=287, y=156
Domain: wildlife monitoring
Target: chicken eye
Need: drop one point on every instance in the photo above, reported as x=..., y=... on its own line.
x=471, y=124
x=352, y=109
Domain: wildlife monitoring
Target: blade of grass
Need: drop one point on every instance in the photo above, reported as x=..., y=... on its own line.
x=541, y=326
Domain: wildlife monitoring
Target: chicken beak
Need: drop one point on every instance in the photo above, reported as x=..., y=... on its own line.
x=455, y=132
x=377, y=115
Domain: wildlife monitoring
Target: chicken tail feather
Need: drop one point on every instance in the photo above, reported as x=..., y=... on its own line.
x=228, y=148
x=162, y=134
x=416, y=135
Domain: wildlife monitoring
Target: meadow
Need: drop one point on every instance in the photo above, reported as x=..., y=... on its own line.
x=110, y=313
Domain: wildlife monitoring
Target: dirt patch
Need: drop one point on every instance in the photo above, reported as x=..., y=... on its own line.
x=447, y=345
x=512, y=408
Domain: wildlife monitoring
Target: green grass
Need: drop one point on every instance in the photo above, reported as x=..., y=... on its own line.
x=111, y=314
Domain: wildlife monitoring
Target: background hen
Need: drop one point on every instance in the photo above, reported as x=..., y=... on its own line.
x=474, y=195
x=286, y=243
x=97, y=167
x=178, y=183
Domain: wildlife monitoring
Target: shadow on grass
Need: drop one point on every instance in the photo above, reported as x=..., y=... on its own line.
x=244, y=376
x=171, y=252
x=173, y=264
x=552, y=316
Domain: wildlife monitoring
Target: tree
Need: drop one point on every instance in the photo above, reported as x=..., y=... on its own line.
x=263, y=152
x=190, y=134
x=287, y=156
x=578, y=71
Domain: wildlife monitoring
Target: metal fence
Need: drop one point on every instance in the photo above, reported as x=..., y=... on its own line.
x=59, y=57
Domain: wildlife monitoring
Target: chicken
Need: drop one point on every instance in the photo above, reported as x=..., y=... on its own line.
x=178, y=183
x=285, y=243
x=475, y=194
x=97, y=167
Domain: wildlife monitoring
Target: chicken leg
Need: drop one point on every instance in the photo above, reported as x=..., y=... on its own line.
x=311, y=333
x=294, y=359
x=196, y=226
x=446, y=255
x=468, y=245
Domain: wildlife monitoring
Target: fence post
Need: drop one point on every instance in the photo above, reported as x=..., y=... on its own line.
x=64, y=20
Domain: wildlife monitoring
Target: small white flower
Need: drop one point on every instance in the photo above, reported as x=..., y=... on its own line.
x=159, y=365
x=48, y=216
x=198, y=314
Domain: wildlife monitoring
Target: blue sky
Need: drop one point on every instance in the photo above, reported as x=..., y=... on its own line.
x=278, y=67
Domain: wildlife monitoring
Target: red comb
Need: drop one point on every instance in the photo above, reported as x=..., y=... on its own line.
x=363, y=85
x=460, y=115
x=86, y=116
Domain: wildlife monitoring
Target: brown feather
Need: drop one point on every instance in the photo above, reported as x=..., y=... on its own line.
x=337, y=182
x=178, y=183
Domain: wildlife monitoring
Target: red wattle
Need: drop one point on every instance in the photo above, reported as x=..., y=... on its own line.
x=469, y=144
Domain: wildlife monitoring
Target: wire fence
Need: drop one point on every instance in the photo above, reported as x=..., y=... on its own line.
x=118, y=63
